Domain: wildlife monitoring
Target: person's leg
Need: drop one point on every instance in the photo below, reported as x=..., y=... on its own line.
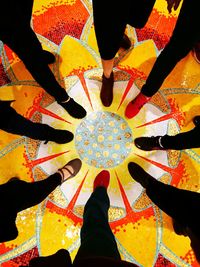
x=196, y=52
x=17, y=195
x=12, y=122
x=181, y=205
x=61, y=258
x=107, y=67
x=178, y=203
x=185, y=36
x=185, y=140
x=24, y=10
x=97, y=238
x=24, y=195
x=109, y=30
x=25, y=44
x=139, y=12
x=181, y=141
x=8, y=228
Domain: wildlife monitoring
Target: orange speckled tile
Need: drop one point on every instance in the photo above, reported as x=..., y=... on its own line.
x=144, y=234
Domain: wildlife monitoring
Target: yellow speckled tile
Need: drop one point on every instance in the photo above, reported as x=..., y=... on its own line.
x=102, y=140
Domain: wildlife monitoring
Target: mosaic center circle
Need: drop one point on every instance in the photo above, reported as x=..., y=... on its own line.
x=103, y=139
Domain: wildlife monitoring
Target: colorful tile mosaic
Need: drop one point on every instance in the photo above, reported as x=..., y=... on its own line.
x=144, y=234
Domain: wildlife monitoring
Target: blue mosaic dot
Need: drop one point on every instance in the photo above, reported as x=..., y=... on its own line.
x=103, y=139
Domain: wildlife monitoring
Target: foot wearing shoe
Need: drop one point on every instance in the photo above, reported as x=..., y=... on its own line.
x=149, y=143
x=138, y=174
x=196, y=52
x=196, y=121
x=135, y=105
x=125, y=43
x=70, y=169
x=102, y=179
x=48, y=57
x=59, y=136
x=106, y=93
x=74, y=109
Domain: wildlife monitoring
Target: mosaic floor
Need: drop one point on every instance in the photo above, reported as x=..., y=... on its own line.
x=103, y=140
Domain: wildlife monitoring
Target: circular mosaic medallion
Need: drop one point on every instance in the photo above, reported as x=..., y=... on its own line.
x=103, y=139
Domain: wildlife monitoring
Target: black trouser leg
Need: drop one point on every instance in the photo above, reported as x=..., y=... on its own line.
x=181, y=205
x=97, y=238
x=109, y=28
x=14, y=123
x=17, y=195
x=139, y=12
x=186, y=140
x=185, y=35
x=20, y=195
x=25, y=44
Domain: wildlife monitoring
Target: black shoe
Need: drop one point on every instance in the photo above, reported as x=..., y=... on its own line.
x=59, y=136
x=73, y=108
x=48, y=57
x=196, y=121
x=125, y=43
x=138, y=174
x=149, y=143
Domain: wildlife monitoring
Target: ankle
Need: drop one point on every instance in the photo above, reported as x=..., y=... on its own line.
x=67, y=100
x=160, y=142
x=145, y=97
x=141, y=98
x=107, y=75
x=59, y=176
